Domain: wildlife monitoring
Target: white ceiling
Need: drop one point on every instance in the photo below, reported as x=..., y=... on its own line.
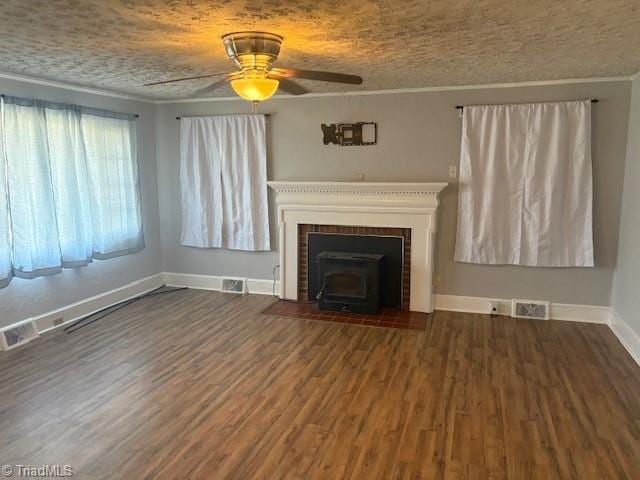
x=120, y=45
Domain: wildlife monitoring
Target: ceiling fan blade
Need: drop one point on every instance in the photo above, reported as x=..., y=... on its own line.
x=316, y=75
x=214, y=85
x=185, y=78
x=292, y=87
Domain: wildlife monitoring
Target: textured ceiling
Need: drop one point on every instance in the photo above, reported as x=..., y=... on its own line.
x=120, y=45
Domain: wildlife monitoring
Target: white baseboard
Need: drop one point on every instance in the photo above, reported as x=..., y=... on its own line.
x=454, y=303
x=629, y=339
x=214, y=282
x=75, y=311
x=263, y=287
x=559, y=311
x=580, y=313
x=461, y=303
x=200, y=282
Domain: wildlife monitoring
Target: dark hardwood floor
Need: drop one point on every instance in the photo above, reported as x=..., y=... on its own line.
x=200, y=385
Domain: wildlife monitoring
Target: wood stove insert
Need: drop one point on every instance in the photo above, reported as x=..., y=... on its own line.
x=350, y=282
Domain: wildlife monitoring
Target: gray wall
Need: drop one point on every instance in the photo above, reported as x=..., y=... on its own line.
x=418, y=139
x=419, y=136
x=626, y=285
x=26, y=298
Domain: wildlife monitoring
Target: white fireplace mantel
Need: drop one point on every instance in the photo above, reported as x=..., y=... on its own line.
x=366, y=204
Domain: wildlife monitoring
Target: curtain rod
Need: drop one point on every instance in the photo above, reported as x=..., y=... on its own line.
x=267, y=115
x=461, y=107
x=135, y=114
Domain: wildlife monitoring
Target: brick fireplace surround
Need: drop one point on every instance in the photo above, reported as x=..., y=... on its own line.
x=304, y=229
x=367, y=208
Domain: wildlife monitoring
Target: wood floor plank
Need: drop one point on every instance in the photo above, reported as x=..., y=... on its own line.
x=202, y=385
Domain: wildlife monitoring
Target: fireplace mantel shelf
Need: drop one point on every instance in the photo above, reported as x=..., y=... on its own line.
x=371, y=188
x=360, y=204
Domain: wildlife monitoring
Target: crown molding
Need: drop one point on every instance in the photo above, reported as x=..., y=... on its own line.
x=535, y=83
x=73, y=87
x=124, y=96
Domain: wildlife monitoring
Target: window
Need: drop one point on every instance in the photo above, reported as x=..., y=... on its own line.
x=69, y=190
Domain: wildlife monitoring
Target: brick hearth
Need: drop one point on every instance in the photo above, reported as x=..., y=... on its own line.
x=387, y=318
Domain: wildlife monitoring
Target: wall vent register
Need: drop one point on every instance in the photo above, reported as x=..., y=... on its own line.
x=17, y=334
x=234, y=285
x=530, y=309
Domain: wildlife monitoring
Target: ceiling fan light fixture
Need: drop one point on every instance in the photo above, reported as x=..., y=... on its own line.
x=255, y=78
x=255, y=89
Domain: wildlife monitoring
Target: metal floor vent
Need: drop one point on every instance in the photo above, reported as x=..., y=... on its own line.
x=16, y=335
x=233, y=285
x=530, y=309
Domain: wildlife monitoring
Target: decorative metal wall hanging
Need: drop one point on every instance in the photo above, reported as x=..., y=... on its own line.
x=350, y=134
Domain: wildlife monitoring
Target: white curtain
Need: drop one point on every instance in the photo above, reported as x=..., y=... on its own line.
x=114, y=193
x=69, y=186
x=69, y=190
x=31, y=201
x=6, y=267
x=223, y=182
x=525, y=192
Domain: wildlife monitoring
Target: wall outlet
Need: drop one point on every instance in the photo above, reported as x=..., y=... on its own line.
x=358, y=177
x=58, y=321
x=453, y=171
x=494, y=308
x=436, y=280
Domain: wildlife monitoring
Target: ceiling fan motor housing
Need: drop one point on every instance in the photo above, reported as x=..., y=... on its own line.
x=252, y=52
